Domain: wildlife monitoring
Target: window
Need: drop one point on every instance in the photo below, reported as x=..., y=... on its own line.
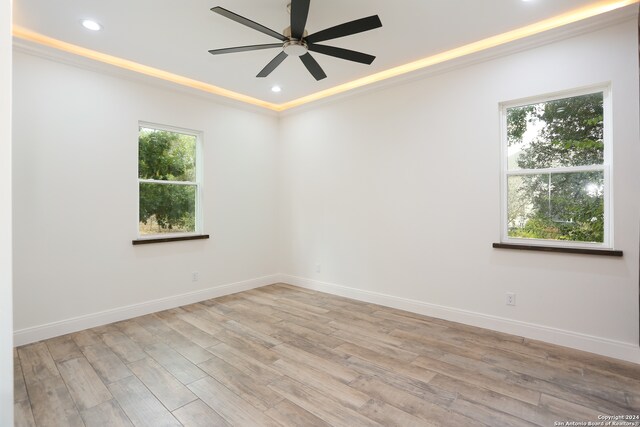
x=556, y=159
x=168, y=181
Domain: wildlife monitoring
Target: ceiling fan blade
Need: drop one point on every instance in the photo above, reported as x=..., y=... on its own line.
x=247, y=22
x=349, y=55
x=313, y=67
x=245, y=48
x=299, y=14
x=272, y=65
x=346, y=29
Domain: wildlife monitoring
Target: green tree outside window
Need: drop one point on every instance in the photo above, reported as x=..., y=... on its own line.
x=556, y=175
x=167, y=181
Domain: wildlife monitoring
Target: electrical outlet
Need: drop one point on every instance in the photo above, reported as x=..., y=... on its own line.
x=511, y=298
x=318, y=268
x=195, y=276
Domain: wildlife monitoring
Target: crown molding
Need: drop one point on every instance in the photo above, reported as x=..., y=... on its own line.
x=63, y=57
x=595, y=17
x=595, y=23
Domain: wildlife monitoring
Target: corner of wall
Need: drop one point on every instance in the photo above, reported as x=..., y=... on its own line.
x=6, y=280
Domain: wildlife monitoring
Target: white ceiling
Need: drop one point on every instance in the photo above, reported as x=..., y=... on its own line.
x=175, y=35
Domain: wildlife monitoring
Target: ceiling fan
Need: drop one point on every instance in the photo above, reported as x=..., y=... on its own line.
x=295, y=41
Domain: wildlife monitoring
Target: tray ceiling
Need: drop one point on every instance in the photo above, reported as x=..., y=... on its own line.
x=175, y=36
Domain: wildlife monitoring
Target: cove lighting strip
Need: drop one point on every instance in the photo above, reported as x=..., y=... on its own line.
x=571, y=17
x=32, y=36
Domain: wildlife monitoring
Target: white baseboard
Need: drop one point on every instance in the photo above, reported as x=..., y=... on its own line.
x=54, y=329
x=579, y=341
x=593, y=344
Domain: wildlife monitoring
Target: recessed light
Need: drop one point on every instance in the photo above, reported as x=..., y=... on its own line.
x=91, y=25
x=276, y=89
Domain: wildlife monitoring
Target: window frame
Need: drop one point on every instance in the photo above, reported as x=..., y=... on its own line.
x=605, y=167
x=199, y=223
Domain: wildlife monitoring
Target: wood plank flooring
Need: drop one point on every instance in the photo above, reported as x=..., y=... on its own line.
x=285, y=356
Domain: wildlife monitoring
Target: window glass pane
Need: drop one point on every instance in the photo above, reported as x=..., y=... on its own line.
x=559, y=133
x=559, y=206
x=166, y=156
x=167, y=208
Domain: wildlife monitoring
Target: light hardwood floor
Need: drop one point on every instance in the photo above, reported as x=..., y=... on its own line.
x=285, y=356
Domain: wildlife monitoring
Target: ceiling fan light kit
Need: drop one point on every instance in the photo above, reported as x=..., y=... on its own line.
x=295, y=40
x=295, y=47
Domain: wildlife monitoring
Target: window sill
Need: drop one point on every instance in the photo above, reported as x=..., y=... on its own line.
x=168, y=239
x=566, y=250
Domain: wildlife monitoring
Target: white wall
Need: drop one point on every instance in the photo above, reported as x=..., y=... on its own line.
x=6, y=315
x=396, y=193
x=75, y=206
x=393, y=193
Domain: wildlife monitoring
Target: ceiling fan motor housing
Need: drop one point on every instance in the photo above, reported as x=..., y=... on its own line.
x=292, y=46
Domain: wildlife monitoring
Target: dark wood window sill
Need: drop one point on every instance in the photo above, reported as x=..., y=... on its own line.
x=566, y=250
x=168, y=239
